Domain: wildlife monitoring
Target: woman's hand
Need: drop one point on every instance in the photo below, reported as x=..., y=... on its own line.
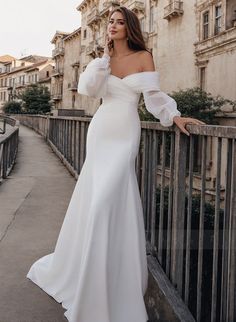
x=108, y=49
x=181, y=122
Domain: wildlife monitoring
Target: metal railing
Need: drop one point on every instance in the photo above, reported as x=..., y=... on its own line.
x=189, y=210
x=8, y=147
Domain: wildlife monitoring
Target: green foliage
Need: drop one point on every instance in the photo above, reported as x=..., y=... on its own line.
x=192, y=102
x=12, y=107
x=36, y=99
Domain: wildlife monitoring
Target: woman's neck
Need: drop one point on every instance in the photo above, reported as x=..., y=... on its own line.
x=121, y=48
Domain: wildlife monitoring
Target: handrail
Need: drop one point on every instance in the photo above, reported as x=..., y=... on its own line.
x=8, y=146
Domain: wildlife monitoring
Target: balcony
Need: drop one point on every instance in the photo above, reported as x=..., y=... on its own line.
x=174, y=9
x=57, y=72
x=226, y=39
x=73, y=86
x=56, y=97
x=60, y=51
x=90, y=49
x=107, y=6
x=19, y=85
x=93, y=17
x=137, y=6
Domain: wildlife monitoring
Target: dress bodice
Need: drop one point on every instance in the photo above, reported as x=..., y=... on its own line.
x=97, y=81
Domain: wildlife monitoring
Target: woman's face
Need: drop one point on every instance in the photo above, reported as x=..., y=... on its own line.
x=116, y=26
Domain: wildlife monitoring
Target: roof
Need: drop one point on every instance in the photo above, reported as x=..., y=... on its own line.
x=35, y=58
x=59, y=34
x=73, y=34
x=6, y=58
x=36, y=65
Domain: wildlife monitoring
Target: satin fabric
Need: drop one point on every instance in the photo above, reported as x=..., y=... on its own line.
x=98, y=270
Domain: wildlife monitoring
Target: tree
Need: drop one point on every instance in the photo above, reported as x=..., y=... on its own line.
x=193, y=102
x=36, y=99
x=12, y=107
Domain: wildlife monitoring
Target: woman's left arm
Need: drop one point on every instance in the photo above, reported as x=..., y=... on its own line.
x=162, y=105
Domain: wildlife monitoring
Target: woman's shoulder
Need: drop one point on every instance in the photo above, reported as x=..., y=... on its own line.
x=146, y=61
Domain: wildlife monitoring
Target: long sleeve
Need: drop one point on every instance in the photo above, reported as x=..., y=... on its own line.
x=93, y=80
x=158, y=103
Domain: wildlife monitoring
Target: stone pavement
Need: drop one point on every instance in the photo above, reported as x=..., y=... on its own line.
x=33, y=203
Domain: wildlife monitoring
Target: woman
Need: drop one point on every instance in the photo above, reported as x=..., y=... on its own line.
x=98, y=270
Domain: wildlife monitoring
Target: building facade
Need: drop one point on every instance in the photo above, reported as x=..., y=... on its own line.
x=71, y=99
x=19, y=73
x=58, y=73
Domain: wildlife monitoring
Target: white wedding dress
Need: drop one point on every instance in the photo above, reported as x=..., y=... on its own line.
x=98, y=270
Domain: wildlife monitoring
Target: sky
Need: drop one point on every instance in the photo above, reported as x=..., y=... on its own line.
x=28, y=26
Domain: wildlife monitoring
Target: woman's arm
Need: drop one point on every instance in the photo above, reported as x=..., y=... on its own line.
x=93, y=81
x=162, y=105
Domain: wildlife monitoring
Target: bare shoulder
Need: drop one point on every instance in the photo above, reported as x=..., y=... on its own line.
x=147, y=63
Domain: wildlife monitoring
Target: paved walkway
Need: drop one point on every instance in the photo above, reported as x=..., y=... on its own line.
x=33, y=202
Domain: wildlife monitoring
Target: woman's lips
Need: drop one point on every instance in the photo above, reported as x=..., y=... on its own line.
x=113, y=32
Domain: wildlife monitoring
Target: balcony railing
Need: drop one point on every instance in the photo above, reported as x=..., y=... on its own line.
x=173, y=9
x=58, y=51
x=56, y=96
x=93, y=17
x=20, y=84
x=57, y=72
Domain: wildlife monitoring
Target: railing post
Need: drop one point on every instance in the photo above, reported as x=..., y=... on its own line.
x=231, y=304
x=177, y=243
x=47, y=128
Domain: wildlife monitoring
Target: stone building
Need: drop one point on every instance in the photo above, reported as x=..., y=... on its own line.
x=58, y=73
x=193, y=42
x=71, y=99
x=19, y=73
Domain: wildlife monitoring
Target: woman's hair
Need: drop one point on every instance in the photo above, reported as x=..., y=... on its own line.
x=133, y=28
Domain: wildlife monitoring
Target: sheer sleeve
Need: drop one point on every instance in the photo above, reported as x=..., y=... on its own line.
x=93, y=80
x=158, y=103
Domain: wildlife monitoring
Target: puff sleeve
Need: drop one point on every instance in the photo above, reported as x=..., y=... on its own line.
x=93, y=80
x=158, y=103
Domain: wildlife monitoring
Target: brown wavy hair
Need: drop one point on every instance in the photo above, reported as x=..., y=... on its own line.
x=133, y=28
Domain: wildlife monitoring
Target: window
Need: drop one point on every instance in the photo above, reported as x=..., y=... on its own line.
x=47, y=73
x=151, y=22
x=218, y=14
x=206, y=25
x=85, y=33
x=203, y=78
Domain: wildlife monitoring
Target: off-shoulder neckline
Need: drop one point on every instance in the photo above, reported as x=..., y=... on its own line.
x=133, y=74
